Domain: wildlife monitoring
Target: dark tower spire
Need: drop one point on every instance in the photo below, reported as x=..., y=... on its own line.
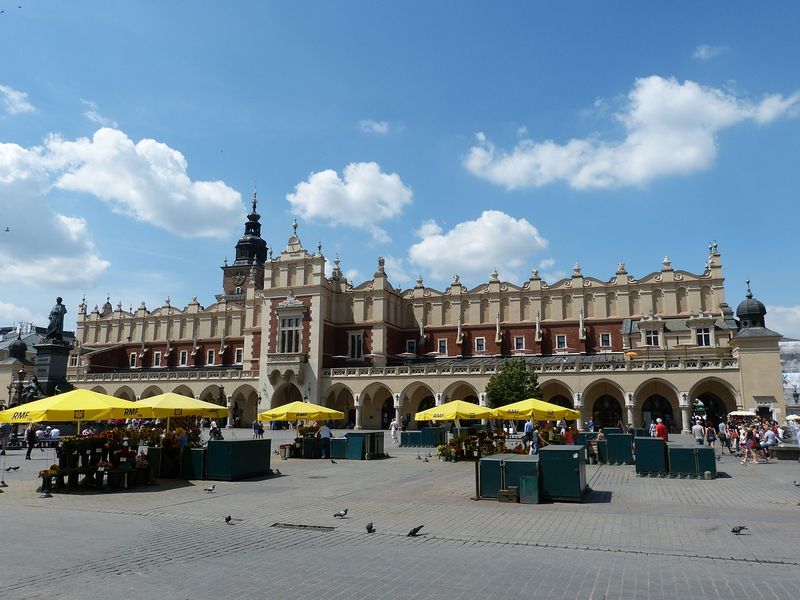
x=251, y=247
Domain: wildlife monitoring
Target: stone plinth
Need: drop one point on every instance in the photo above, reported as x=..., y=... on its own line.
x=51, y=366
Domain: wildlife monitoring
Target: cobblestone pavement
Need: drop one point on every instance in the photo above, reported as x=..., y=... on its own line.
x=633, y=538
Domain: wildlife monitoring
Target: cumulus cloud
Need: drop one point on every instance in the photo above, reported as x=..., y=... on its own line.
x=362, y=197
x=784, y=320
x=374, y=127
x=670, y=129
x=14, y=101
x=473, y=248
x=94, y=115
x=11, y=313
x=706, y=52
x=146, y=180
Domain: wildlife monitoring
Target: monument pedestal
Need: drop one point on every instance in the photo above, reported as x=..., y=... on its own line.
x=51, y=366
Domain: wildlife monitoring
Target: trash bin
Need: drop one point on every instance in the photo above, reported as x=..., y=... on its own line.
x=706, y=461
x=355, y=446
x=312, y=447
x=410, y=438
x=619, y=449
x=692, y=461
x=193, y=463
x=516, y=466
x=433, y=436
x=562, y=470
x=237, y=459
x=651, y=456
x=338, y=447
x=490, y=472
x=602, y=451
x=529, y=489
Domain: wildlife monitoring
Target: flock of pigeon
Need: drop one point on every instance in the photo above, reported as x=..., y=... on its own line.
x=426, y=458
x=342, y=514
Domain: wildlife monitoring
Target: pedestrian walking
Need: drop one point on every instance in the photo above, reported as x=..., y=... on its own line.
x=30, y=439
x=393, y=427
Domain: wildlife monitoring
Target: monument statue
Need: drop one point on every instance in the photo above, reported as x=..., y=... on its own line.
x=33, y=391
x=55, y=329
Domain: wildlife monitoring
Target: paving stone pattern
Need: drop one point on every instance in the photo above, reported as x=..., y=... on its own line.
x=634, y=537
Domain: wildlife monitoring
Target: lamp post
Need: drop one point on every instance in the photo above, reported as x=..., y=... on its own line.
x=18, y=387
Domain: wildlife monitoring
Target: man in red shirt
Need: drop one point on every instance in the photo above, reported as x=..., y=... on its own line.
x=661, y=430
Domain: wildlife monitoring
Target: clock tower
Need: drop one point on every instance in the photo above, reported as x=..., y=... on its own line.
x=251, y=252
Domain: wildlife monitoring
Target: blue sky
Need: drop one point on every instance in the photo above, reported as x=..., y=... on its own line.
x=448, y=137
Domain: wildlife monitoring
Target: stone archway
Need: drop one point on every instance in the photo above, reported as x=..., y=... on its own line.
x=462, y=391
x=125, y=393
x=606, y=411
x=340, y=397
x=657, y=399
x=373, y=399
x=151, y=391
x=184, y=390
x=561, y=400
x=713, y=399
x=284, y=394
x=244, y=400
x=99, y=389
x=415, y=398
x=555, y=389
x=604, y=401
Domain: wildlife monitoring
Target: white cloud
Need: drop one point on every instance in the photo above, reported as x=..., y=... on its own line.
x=352, y=274
x=670, y=127
x=374, y=127
x=146, y=180
x=95, y=117
x=546, y=263
x=428, y=229
x=473, y=248
x=361, y=198
x=11, y=313
x=784, y=320
x=397, y=270
x=14, y=101
x=705, y=52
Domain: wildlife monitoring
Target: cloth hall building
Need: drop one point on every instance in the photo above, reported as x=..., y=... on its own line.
x=628, y=348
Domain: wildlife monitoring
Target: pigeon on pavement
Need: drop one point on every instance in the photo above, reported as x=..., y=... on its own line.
x=228, y=519
x=415, y=531
x=738, y=529
x=340, y=514
x=334, y=462
x=796, y=483
x=277, y=471
x=425, y=459
x=210, y=490
x=370, y=528
x=14, y=468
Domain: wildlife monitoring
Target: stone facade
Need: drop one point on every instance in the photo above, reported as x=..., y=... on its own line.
x=623, y=348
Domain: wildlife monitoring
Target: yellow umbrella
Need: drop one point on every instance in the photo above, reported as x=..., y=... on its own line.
x=534, y=409
x=174, y=405
x=294, y=411
x=454, y=410
x=77, y=405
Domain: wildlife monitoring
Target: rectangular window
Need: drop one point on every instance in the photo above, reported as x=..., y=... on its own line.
x=290, y=335
x=157, y=359
x=239, y=356
x=209, y=357
x=480, y=344
x=652, y=337
x=703, y=336
x=605, y=340
x=519, y=343
x=73, y=360
x=561, y=342
x=411, y=346
x=184, y=358
x=132, y=361
x=443, y=347
x=355, y=348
